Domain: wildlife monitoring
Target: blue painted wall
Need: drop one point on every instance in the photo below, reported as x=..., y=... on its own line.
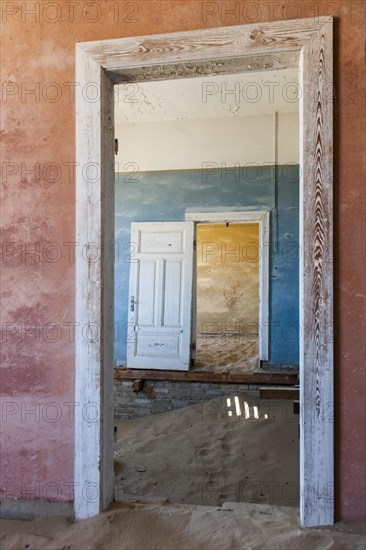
x=167, y=196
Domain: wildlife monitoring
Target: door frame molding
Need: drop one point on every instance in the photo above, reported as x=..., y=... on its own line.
x=261, y=217
x=99, y=66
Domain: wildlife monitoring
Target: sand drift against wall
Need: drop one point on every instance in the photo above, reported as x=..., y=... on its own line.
x=206, y=454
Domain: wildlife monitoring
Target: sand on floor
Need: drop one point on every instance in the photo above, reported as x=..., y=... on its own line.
x=229, y=353
x=162, y=526
x=236, y=448
x=202, y=455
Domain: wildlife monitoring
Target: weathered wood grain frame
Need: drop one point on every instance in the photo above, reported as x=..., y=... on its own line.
x=100, y=65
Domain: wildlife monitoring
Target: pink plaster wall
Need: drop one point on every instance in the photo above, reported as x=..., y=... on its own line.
x=37, y=453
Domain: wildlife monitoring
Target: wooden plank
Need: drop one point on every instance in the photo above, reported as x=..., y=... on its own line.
x=88, y=352
x=94, y=291
x=316, y=281
x=107, y=199
x=235, y=65
x=138, y=385
x=224, y=378
x=277, y=392
x=213, y=44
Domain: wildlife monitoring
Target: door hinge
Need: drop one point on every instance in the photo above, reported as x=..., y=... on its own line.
x=116, y=146
x=194, y=244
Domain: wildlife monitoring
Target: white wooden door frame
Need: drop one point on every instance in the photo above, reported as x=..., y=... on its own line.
x=262, y=218
x=100, y=65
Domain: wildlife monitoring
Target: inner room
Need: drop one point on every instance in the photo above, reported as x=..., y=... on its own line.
x=206, y=287
x=227, y=296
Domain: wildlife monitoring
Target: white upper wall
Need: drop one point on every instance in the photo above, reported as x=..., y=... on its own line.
x=228, y=120
x=189, y=144
x=252, y=93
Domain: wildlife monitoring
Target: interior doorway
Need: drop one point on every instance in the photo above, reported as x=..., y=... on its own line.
x=220, y=50
x=198, y=288
x=231, y=306
x=227, y=296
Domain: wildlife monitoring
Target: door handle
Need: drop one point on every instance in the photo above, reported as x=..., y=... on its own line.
x=132, y=303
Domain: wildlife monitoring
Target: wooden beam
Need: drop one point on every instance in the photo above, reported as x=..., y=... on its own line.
x=316, y=280
x=138, y=385
x=278, y=392
x=94, y=288
x=223, y=378
x=235, y=65
x=215, y=44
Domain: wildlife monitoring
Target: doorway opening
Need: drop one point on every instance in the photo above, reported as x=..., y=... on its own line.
x=206, y=52
x=227, y=296
x=230, y=332
x=196, y=228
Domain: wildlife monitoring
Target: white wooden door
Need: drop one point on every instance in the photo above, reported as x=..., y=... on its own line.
x=160, y=298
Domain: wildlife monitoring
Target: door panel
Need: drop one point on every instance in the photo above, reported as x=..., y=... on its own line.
x=146, y=284
x=172, y=301
x=160, y=296
x=157, y=344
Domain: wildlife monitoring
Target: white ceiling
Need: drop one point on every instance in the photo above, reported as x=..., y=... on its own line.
x=205, y=97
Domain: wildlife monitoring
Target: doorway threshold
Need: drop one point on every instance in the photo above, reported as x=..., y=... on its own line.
x=280, y=377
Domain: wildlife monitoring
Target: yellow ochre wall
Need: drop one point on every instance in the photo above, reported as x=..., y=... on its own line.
x=228, y=276
x=227, y=292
